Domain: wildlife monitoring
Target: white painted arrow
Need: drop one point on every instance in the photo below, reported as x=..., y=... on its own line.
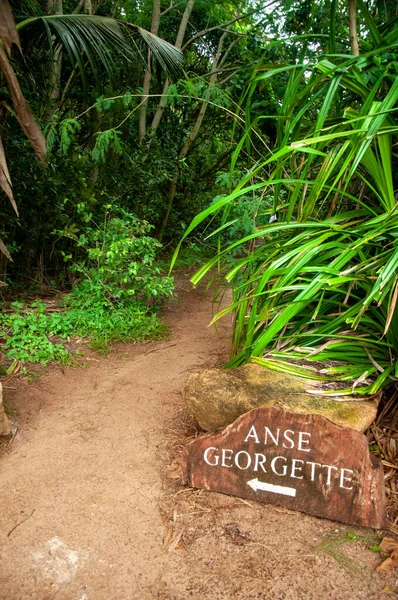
x=255, y=484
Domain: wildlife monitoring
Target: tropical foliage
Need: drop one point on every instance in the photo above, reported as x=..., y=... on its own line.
x=85, y=82
x=316, y=279
x=96, y=40
x=281, y=129
x=118, y=166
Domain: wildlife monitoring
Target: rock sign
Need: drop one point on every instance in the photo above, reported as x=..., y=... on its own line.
x=302, y=462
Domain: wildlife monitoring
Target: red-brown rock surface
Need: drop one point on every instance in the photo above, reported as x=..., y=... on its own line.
x=303, y=462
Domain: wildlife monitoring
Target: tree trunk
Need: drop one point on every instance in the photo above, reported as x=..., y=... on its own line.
x=94, y=125
x=191, y=138
x=352, y=14
x=54, y=7
x=178, y=44
x=78, y=7
x=147, y=76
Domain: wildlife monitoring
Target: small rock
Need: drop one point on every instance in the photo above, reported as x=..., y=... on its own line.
x=4, y=424
x=217, y=397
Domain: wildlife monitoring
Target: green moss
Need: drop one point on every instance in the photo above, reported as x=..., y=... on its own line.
x=316, y=402
x=346, y=411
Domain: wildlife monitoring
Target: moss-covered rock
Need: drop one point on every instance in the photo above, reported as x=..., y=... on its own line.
x=217, y=397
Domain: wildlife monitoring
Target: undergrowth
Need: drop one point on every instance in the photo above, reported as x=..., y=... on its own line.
x=31, y=334
x=119, y=289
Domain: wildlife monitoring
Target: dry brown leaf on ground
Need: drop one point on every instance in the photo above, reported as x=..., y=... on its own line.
x=389, y=564
x=8, y=30
x=393, y=529
x=388, y=546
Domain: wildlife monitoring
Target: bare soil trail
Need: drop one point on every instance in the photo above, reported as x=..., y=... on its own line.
x=91, y=507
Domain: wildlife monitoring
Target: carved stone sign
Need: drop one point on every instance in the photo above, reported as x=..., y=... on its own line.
x=303, y=462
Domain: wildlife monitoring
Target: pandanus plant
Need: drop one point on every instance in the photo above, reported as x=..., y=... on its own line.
x=319, y=284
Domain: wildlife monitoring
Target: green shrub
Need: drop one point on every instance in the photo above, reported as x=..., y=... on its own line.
x=119, y=264
x=31, y=334
x=115, y=299
x=27, y=335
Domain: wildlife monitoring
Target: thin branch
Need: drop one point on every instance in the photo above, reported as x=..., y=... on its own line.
x=78, y=8
x=228, y=50
x=234, y=115
x=224, y=25
x=241, y=35
x=20, y=523
x=224, y=70
x=229, y=76
x=167, y=9
x=171, y=7
x=67, y=86
x=143, y=101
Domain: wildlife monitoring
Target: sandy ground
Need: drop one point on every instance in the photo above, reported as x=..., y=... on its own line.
x=91, y=507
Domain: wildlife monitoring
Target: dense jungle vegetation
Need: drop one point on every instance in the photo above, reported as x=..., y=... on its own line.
x=261, y=137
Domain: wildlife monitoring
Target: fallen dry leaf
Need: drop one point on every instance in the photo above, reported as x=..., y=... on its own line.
x=389, y=564
x=388, y=546
x=393, y=529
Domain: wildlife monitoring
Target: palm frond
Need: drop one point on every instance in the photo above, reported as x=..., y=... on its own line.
x=167, y=55
x=102, y=42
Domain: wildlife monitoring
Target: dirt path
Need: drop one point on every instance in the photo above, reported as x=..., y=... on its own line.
x=90, y=507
